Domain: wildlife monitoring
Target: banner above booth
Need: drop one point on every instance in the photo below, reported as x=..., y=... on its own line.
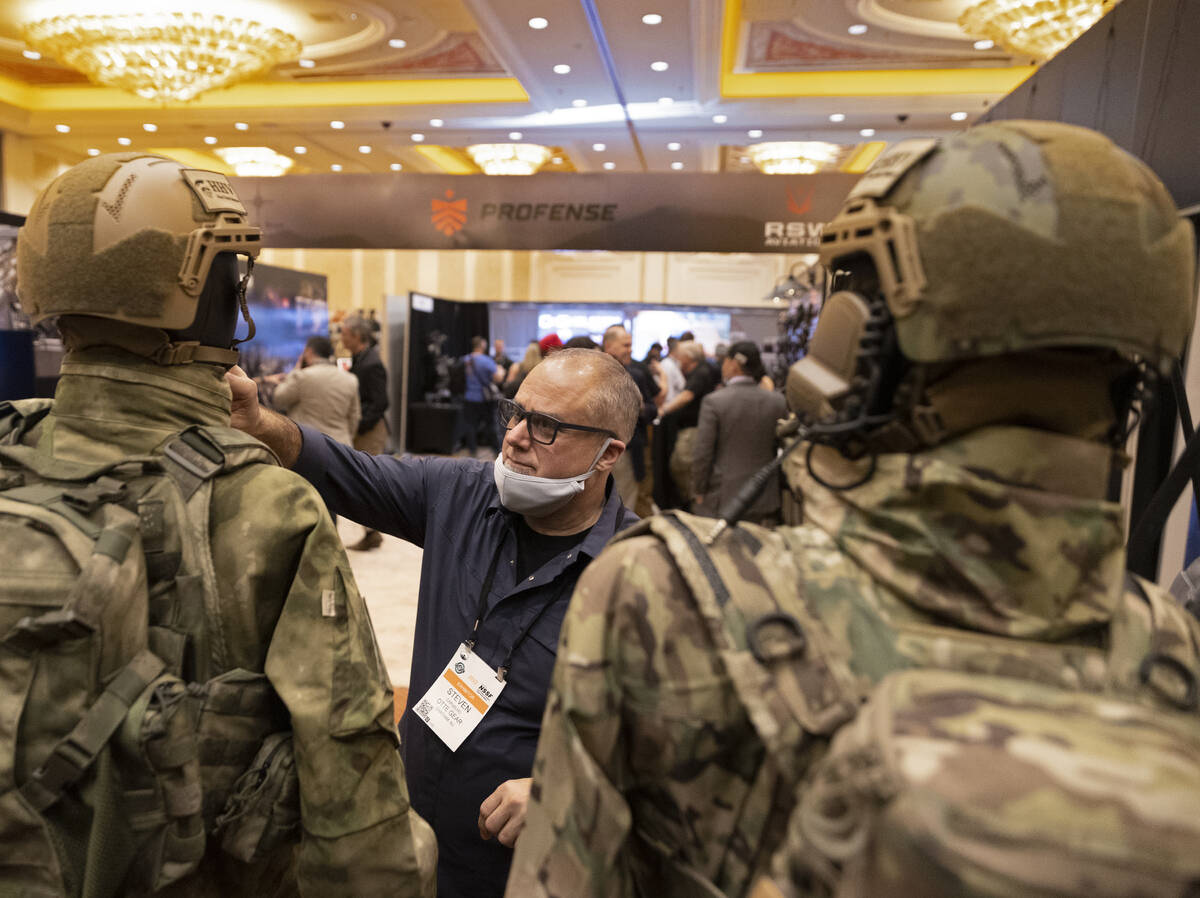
x=735, y=213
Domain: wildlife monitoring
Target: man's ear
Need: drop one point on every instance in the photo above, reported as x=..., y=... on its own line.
x=609, y=456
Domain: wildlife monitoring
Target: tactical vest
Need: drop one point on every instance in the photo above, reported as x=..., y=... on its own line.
x=123, y=748
x=985, y=770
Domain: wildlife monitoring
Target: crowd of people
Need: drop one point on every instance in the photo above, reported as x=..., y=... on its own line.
x=942, y=681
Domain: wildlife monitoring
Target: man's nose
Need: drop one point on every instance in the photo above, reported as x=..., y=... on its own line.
x=518, y=435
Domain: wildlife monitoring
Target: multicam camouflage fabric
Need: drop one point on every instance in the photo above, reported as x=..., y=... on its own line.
x=288, y=606
x=991, y=554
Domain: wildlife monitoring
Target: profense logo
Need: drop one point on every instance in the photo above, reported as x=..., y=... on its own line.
x=449, y=215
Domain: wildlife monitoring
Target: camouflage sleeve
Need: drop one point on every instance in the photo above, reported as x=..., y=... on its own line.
x=360, y=837
x=578, y=820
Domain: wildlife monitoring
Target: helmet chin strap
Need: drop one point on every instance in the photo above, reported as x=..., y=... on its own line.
x=244, y=306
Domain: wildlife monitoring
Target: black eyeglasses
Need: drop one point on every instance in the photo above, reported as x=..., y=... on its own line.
x=542, y=428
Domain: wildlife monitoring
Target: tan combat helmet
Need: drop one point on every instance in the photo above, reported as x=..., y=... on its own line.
x=129, y=237
x=1012, y=237
x=1018, y=235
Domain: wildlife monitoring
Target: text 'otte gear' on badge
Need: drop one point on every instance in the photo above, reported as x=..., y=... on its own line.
x=459, y=698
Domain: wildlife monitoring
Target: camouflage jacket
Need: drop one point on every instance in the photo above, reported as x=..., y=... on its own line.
x=939, y=560
x=275, y=551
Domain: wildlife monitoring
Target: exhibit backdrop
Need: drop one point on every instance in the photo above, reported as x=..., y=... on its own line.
x=734, y=213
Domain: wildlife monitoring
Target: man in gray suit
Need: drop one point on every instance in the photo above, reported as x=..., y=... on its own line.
x=736, y=437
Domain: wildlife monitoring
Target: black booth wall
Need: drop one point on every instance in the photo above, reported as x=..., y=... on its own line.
x=431, y=423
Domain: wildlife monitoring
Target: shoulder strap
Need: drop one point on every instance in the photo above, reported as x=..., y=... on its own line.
x=197, y=454
x=19, y=417
x=1153, y=643
x=782, y=661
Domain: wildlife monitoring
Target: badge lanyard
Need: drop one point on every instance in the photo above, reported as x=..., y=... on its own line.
x=481, y=611
x=468, y=687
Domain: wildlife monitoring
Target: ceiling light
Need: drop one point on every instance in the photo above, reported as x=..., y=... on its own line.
x=92, y=151
x=63, y=129
x=436, y=122
x=720, y=119
x=335, y=167
x=792, y=157
x=958, y=116
x=1038, y=28
x=743, y=159
x=984, y=44
x=514, y=135
x=537, y=23
x=754, y=133
x=557, y=160
x=509, y=158
x=599, y=147
x=838, y=117
x=651, y=18
x=31, y=54
x=210, y=140
x=255, y=162
x=241, y=126
x=364, y=149
x=418, y=137
x=677, y=165
x=149, y=127
x=397, y=43
x=161, y=55
x=306, y=63
x=673, y=146
x=659, y=66
x=124, y=141
x=299, y=151
x=609, y=166
x=396, y=166
x=867, y=132
x=336, y=125
x=562, y=69
x=665, y=101
x=857, y=29
x=579, y=104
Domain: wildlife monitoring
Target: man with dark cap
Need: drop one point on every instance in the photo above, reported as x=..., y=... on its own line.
x=736, y=437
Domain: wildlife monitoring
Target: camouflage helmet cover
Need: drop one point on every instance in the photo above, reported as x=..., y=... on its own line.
x=131, y=237
x=1017, y=235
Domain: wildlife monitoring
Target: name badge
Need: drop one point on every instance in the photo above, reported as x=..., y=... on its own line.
x=458, y=699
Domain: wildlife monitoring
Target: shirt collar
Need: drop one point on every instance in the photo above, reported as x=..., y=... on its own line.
x=739, y=379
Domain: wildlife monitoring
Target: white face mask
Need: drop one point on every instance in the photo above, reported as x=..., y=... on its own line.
x=539, y=496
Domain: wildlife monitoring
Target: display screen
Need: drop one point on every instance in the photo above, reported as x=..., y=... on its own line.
x=655, y=325
x=288, y=307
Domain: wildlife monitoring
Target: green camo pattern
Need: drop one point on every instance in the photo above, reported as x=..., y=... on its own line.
x=1035, y=234
x=290, y=608
x=991, y=554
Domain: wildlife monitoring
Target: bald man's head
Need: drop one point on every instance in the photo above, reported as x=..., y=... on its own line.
x=609, y=397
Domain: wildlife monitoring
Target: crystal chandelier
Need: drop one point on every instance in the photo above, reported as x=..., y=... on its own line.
x=162, y=56
x=1038, y=28
x=255, y=162
x=792, y=157
x=509, y=158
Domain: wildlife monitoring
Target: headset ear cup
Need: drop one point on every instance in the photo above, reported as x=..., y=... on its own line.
x=217, y=307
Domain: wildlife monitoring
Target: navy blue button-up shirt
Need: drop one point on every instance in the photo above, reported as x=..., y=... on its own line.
x=451, y=508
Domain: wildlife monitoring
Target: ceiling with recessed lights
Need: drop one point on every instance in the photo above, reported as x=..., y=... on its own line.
x=607, y=85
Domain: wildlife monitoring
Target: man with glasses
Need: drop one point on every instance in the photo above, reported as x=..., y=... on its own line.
x=504, y=545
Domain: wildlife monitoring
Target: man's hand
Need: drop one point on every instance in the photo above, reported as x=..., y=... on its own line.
x=279, y=433
x=502, y=813
x=246, y=413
